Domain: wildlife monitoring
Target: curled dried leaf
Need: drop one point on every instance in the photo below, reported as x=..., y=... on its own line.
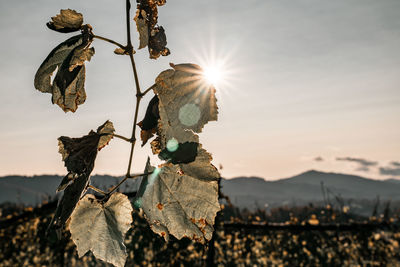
x=106, y=132
x=67, y=21
x=79, y=56
x=53, y=61
x=157, y=43
x=150, y=120
x=101, y=227
x=68, y=59
x=120, y=51
x=150, y=34
x=142, y=28
x=79, y=155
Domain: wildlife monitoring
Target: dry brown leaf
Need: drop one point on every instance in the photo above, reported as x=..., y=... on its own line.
x=79, y=155
x=53, y=61
x=150, y=34
x=106, y=132
x=120, y=51
x=150, y=121
x=67, y=21
x=179, y=204
x=67, y=88
x=201, y=168
x=142, y=28
x=79, y=57
x=101, y=227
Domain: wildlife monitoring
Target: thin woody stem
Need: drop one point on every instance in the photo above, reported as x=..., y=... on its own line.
x=138, y=92
x=123, y=180
x=148, y=89
x=109, y=40
x=97, y=189
x=123, y=138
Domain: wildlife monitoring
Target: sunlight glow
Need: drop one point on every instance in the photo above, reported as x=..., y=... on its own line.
x=213, y=74
x=218, y=60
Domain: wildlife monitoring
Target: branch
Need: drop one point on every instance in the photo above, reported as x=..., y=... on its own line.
x=123, y=138
x=97, y=190
x=123, y=180
x=138, y=92
x=109, y=40
x=148, y=89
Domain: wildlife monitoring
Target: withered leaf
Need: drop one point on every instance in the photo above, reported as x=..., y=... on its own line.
x=67, y=88
x=120, y=51
x=101, y=227
x=186, y=103
x=79, y=155
x=67, y=21
x=106, y=132
x=179, y=153
x=150, y=34
x=201, y=168
x=54, y=61
x=80, y=56
x=150, y=120
x=178, y=203
x=142, y=28
x=157, y=43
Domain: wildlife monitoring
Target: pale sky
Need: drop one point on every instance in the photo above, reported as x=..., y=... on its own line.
x=311, y=84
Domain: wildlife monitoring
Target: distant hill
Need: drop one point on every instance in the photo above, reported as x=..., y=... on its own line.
x=33, y=190
x=244, y=192
x=360, y=192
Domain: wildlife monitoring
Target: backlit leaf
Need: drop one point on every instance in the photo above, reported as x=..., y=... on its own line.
x=67, y=21
x=101, y=227
x=178, y=203
x=186, y=103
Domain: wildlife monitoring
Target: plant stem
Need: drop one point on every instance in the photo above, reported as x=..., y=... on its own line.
x=109, y=40
x=123, y=180
x=138, y=92
x=123, y=138
x=97, y=190
x=148, y=89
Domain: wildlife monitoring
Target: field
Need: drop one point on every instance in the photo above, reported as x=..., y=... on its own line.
x=243, y=239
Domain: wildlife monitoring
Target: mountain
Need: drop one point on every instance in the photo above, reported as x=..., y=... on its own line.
x=244, y=192
x=32, y=190
x=308, y=187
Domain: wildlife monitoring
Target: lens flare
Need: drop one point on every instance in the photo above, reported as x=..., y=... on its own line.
x=213, y=74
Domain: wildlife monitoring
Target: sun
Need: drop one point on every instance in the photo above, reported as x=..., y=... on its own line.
x=213, y=74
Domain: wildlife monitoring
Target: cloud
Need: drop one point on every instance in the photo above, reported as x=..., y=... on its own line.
x=395, y=163
x=319, y=158
x=364, y=164
x=393, y=169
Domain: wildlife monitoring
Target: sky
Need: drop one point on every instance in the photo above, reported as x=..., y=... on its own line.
x=308, y=84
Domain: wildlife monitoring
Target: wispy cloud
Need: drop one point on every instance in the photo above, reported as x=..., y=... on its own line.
x=363, y=164
x=319, y=158
x=393, y=169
